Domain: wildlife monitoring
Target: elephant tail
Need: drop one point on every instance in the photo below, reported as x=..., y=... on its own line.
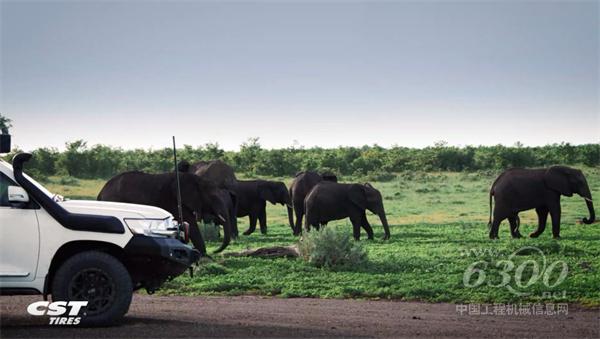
x=492, y=194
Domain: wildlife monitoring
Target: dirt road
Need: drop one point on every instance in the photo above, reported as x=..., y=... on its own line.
x=249, y=316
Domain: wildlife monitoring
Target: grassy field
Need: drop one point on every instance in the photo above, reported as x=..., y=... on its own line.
x=439, y=228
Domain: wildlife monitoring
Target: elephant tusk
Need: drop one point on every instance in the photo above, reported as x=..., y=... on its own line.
x=221, y=218
x=588, y=199
x=290, y=206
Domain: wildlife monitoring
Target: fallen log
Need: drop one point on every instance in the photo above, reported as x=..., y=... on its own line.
x=268, y=252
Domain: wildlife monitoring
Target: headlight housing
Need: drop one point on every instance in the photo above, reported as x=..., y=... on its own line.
x=152, y=227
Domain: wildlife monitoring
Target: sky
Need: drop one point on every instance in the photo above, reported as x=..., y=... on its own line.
x=134, y=73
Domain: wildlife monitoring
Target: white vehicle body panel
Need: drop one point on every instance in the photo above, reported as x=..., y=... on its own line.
x=29, y=238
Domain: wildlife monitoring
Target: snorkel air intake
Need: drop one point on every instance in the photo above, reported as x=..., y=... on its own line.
x=72, y=221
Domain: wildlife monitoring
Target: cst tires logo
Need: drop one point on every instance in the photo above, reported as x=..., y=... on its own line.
x=522, y=271
x=59, y=312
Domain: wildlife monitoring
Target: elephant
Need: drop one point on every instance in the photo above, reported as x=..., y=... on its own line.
x=252, y=200
x=333, y=201
x=198, y=197
x=301, y=185
x=216, y=171
x=517, y=190
x=230, y=200
x=223, y=176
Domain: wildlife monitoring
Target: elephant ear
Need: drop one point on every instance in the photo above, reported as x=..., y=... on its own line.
x=557, y=178
x=183, y=166
x=190, y=197
x=266, y=192
x=357, y=196
x=328, y=176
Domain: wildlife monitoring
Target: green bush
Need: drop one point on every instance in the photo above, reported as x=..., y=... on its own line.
x=331, y=248
x=210, y=232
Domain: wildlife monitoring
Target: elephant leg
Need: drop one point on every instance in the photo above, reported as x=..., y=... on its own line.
x=366, y=226
x=299, y=215
x=555, y=216
x=262, y=219
x=234, y=226
x=542, y=213
x=496, y=225
x=233, y=222
x=311, y=218
x=356, y=223
x=514, y=226
x=252, y=226
x=306, y=224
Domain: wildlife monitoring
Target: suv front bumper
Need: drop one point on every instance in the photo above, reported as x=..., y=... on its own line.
x=153, y=260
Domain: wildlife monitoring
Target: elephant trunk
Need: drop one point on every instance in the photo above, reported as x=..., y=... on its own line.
x=590, y=206
x=587, y=195
x=384, y=222
x=226, y=233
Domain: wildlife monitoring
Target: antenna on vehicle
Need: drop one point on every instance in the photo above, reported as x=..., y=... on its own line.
x=179, y=208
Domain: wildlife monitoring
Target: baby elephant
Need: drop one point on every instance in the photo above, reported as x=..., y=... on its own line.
x=518, y=190
x=252, y=197
x=332, y=201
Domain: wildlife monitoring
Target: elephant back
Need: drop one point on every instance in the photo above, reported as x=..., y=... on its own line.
x=216, y=171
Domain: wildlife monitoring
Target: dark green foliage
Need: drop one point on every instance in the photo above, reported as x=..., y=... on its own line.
x=367, y=162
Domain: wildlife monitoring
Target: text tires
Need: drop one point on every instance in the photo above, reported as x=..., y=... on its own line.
x=98, y=278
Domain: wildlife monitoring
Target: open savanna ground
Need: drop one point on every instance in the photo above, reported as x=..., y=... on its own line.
x=439, y=229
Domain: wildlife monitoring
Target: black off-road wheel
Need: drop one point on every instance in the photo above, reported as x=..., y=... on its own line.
x=101, y=280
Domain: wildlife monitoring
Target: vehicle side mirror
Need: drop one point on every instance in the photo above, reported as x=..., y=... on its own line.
x=4, y=143
x=17, y=195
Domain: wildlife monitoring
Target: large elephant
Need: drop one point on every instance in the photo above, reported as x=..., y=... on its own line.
x=229, y=198
x=301, y=185
x=252, y=200
x=216, y=171
x=223, y=176
x=333, y=201
x=518, y=190
x=198, y=197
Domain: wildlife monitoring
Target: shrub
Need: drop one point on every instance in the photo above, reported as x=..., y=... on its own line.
x=331, y=248
x=210, y=232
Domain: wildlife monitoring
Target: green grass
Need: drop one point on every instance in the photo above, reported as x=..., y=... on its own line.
x=439, y=227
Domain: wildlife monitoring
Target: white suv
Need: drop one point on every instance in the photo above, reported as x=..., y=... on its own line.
x=92, y=251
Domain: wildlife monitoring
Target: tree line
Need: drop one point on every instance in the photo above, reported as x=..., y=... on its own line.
x=99, y=161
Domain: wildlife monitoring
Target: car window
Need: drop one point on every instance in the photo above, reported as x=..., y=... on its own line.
x=4, y=183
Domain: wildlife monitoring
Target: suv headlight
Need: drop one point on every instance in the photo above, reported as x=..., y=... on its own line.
x=152, y=227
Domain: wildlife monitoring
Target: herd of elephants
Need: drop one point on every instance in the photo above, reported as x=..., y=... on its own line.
x=211, y=192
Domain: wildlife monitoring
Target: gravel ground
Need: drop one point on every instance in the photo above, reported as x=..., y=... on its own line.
x=251, y=316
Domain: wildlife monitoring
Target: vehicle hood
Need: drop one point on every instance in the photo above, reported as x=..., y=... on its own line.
x=117, y=209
